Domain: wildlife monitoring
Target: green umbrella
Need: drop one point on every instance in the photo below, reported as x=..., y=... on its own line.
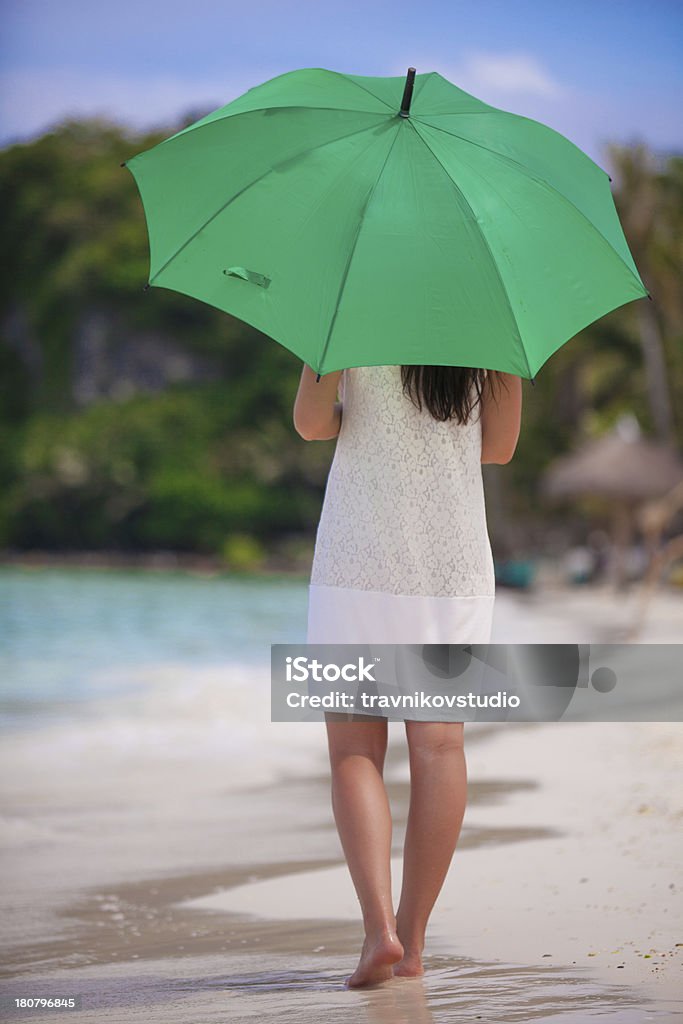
x=364, y=221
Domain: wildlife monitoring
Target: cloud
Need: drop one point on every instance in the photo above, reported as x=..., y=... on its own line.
x=511, y=73
x=496, y=78
x=31, y=99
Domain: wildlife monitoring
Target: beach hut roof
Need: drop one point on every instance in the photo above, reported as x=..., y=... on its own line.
x=621, y=465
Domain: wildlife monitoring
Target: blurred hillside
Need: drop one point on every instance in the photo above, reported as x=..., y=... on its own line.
x=140, y=420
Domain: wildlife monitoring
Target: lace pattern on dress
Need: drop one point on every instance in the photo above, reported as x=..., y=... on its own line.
x=404, y=509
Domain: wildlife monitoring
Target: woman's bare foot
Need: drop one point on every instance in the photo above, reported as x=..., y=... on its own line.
x=377, y=958
x=409, y=967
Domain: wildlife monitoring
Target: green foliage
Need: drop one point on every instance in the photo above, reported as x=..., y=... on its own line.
x=149, y=472
x=243, y=553
x=219, y=467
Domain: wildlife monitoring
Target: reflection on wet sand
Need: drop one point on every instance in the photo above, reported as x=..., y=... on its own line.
x=272, y=987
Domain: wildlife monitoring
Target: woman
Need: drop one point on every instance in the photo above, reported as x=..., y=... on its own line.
x=402, y=555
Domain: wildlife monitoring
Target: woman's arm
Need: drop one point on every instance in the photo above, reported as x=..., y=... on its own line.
x=501, y=416
x=317, y=416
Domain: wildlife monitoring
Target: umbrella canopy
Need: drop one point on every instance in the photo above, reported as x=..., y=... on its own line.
x=621, y=466
x=381, y=221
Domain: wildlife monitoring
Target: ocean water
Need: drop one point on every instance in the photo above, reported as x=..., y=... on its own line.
x=137, y=745
x=137, y=682
x=72, y=638
x=159, y=659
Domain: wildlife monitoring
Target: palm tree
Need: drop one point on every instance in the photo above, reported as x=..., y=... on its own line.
x=648, y=198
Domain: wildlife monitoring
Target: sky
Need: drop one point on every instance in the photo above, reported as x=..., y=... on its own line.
x=594, y=70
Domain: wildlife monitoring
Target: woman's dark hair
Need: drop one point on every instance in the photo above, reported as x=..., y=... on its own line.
x=448, y=392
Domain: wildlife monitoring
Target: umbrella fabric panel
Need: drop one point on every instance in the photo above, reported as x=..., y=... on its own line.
x=543, y=153
x=431, y=91
x=189, y=180
x=460, y=235
x=558, y=272
x=360, y=245
x=314, y=88
x=419, y=273
x=295, y=226
x=332, y=90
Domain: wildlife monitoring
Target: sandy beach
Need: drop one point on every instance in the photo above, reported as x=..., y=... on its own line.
x=580, y=869
x=164, y=865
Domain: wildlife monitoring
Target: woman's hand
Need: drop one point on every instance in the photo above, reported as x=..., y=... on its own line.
x=317, y=416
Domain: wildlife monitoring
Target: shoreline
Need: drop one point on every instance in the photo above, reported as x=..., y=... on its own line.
x=156, y=561
x=547, y=612
x=277, y=563
x=591, y=881
x=167, y=784
x=563, y=896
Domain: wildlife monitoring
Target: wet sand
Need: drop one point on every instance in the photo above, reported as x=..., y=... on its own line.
x=216, y=903
x=170, y=855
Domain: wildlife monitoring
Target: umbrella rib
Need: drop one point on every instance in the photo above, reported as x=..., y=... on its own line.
x=341, y=74
x=202, y=123
x=254, y=110
x=538, y=178
x=245, y=189
x=488, y=247
x=350, y=257
x=418, y=88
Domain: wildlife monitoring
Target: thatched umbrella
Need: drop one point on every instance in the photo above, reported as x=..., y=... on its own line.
x=621, y=467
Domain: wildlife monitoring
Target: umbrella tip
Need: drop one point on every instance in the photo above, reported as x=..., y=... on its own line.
x=122, y=164
x=533, y=381
x=145, y=288
x=317, y=378
x=407, y=93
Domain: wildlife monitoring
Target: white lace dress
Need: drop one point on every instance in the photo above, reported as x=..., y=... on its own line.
x=402, y=552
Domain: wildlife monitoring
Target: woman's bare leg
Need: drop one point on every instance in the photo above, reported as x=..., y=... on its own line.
x=363, y=817
x=438, y=795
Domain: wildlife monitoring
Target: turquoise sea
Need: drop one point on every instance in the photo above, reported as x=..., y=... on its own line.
x=141, y=654
x=139, y=767
x=70, y=638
